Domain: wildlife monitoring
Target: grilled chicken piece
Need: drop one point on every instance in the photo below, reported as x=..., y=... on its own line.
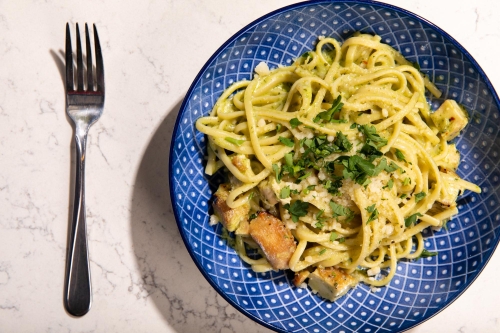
x=450, y=119
x=241, y=162
x=274, y=238
x=331, y=283
x=300, y=277
x=230, y=218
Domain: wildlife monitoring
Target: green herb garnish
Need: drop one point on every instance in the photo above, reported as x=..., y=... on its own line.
x=426, y=254
x=234, y=141
x=329, y=115
x=390, y=184
x=297, y=209
x=373, y=213
x=294, y=122
x=339, y=210
x=412, y=219
x=277, y=172
x=372, y=138
x=285, y=192
x=286, y=141
x=419, y=196
x=400, y=155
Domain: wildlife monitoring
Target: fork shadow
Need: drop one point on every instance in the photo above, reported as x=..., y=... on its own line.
x=169, y=277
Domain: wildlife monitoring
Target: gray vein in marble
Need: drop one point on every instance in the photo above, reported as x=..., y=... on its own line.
x=32, y=218
x=9, y=307
x=105, y=272
x=97, y=142
x=162, y=86
x=4, y=273
x=52, y=140
x=476, y=11
x=47, y=107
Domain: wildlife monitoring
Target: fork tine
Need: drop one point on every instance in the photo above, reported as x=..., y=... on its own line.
x=69, y=62
x=79, y=60
x=99, y=64
x=90, y=78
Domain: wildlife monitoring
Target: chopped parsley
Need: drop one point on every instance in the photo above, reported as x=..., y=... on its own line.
x=329, y=115
x=286, y=141
x=372, y=137
x=359, y=169
x=289, y=160
x=392, y=167
x=406, y=182
x=426, y=254
x=278, y=127
x=285, y=192
x=390, y=184
x=252, y=216
x=297, y=209
x=308, y=189
x=304, y=176
x=277, y=172
x=373, y=213
x=342, y=142
x=319, y=216
x=333, y=236
x=294, y=122
x=339, y=210
x=412, y=219
x=400, y=155
x=322, y=252
x=419, y=196
x=234, y=141
x=333, y=186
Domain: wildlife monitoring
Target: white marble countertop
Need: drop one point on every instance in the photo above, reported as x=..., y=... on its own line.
x=143, y=278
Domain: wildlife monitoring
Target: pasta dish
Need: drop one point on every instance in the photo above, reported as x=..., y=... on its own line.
x=335, y=164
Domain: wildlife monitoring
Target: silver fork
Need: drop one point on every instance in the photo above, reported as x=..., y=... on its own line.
x=84, y=106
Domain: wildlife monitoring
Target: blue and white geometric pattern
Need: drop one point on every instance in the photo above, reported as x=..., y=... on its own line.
x=420, y=289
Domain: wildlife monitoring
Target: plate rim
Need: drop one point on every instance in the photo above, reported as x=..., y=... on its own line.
x=207, y=64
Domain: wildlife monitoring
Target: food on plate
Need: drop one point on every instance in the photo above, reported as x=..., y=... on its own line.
x=335, y=164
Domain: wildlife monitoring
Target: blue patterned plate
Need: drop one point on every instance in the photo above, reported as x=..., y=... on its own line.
x=420, y=289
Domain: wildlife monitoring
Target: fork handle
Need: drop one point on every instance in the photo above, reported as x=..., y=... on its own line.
x=78, y=293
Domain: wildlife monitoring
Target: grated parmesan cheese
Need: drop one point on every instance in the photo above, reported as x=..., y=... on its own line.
x=373, y=271
x=213, y=220
x=262, y=69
